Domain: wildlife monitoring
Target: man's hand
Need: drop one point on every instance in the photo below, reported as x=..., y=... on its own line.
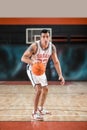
x=62, y=81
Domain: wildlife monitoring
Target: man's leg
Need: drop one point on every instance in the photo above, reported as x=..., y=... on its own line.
x=35, y=114
x=37, y=87
x=42, y=101
x=37, y=97
x=43, y=96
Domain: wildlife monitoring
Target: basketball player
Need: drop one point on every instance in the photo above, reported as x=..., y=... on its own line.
x=41, y=51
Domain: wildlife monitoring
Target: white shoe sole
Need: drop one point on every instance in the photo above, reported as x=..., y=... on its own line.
x=37, y=119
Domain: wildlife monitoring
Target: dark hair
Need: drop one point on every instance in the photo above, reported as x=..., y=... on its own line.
x=45, y=31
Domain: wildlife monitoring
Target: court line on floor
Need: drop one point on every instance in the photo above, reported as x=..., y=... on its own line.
x=44, y=115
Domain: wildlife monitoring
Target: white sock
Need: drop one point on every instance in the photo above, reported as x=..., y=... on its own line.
x=40, y=108
x=34, y=112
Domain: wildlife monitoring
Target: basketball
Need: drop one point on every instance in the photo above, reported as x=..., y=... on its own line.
x=38, y=68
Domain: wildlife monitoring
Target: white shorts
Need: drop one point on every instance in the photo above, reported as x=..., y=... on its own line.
x=37, y=79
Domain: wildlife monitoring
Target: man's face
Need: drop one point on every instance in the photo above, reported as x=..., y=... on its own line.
x=45, y=38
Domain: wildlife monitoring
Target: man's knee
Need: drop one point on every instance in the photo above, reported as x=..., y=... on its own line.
x=38, y=89
x=45, y=89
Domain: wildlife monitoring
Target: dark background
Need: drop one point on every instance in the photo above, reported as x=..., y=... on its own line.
x=71, y=44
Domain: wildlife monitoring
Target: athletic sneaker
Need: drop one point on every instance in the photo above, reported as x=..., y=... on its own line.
x=37, y=116
x=43, y=111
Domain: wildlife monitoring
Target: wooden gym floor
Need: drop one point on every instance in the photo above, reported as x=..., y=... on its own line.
x=66, y=103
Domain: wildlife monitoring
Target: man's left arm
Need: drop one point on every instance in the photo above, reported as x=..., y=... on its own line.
x=57, y=65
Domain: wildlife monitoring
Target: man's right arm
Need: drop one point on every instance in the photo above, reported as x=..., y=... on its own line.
x=26, y=57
